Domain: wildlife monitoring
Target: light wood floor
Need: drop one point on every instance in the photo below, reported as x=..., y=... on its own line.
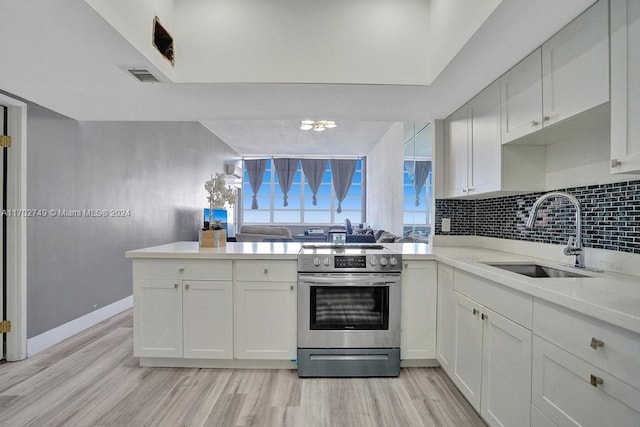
x=92, y=379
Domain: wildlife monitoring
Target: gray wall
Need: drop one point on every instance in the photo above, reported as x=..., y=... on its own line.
x=155, y=170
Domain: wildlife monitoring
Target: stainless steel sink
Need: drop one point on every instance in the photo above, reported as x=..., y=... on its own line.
x=535, y=270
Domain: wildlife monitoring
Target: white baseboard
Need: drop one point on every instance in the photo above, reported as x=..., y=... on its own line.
x=54, y=336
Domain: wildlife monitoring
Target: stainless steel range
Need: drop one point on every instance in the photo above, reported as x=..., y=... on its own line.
x=349, y=300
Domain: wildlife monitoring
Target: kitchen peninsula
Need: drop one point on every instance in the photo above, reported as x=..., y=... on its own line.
x=235, y=306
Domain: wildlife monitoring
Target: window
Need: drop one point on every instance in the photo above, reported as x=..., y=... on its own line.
x=417, y=218
x=300, y=209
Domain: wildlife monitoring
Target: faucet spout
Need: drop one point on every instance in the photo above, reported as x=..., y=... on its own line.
x=574, y=245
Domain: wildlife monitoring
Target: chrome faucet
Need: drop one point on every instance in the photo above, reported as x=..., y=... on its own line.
x=574, y=245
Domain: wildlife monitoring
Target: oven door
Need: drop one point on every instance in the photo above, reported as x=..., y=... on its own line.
x=349, y=310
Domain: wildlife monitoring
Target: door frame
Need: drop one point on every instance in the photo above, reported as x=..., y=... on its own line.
x=16, y=230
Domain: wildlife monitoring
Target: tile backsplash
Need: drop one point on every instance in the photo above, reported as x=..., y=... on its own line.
x=610, y=217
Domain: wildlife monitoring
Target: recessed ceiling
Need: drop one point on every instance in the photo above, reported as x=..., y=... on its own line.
x=81, y=71
x=269, y=137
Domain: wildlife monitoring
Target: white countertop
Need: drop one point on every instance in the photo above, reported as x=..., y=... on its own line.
x=611, y=297
x=232, y=250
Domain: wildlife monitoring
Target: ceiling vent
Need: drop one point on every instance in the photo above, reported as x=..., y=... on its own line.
x=143, y=75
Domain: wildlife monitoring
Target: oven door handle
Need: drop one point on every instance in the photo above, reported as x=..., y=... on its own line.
x=349, y=282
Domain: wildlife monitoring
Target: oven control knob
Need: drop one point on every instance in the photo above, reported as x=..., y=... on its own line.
x=372, y=261
x=326, y=261
x=384, y=261
x=316, y=261
x=393, y=261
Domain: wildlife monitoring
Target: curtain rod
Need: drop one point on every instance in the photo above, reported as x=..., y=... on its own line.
x=301, y=157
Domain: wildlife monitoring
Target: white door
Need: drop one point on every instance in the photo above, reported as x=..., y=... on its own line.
x=207, y=318
x=521, y=94
x=467, y=364
x=575, y=66
x=445, y=321
x=266, y=319
x=486, y=150
x=3, y=131
x=506, y=372
x=419, y=289
x=157, y=313
x=625, y=86
x=456, y=153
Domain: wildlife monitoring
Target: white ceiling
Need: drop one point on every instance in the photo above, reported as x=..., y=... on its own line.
x=62, y=55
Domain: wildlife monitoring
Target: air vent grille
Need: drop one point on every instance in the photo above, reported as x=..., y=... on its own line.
x=143, y=75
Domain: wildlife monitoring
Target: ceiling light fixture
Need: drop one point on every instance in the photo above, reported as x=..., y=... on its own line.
x=317, y=125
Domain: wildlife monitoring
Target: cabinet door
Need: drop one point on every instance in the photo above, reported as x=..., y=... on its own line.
x=506, y=371
x=521, y=95
x=419, y=287
x=467, y=364
x=157, y=318
x=575, y=66
x=446, y=305
x=571, y=392
x=456, y=153
x=485, y=154
x=265, y=320
x=208, y=319
x=625, y=86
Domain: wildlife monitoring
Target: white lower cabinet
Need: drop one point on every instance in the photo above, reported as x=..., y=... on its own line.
x=207, y=319
x=492, y=363
x=572, y=392
x=419, y=295
x=266, y=320
x=157, y=318
x=487, y=355
x=467, y=360
x=190, y=319
x=445, y=335
x=506, y=371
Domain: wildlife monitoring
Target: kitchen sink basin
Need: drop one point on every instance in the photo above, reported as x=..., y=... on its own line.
x=535, y=270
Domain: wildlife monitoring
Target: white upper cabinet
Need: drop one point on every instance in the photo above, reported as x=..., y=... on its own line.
x=456, y=152
x=475, y=162
x=567, y=76
x=521, y=94
x=575, y=66
x=485, y=151
x=625, y=86
x=472, y=149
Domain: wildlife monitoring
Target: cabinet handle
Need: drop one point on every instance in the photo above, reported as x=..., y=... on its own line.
x=484, y=316
x=175, y=286
x=615, y=163
x=186, y=286
x=546, y=118
x=534, y=123
x=595, y=343
x=464, y=190
x=470, y=189
x=595, y=381
x=181, y=270
x=475, y=311
x=266, y=271
x=406, y=266
x=291, y=287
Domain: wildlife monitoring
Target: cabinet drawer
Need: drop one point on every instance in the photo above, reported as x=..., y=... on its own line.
x=266, y=271
x=509, y=303
x=617, y=352
x=562, y=389
x=188, y=269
